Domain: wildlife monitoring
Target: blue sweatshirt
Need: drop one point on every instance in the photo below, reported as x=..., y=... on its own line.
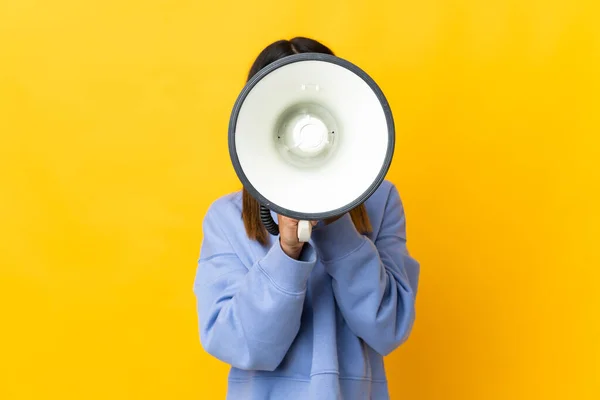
x=314, y=328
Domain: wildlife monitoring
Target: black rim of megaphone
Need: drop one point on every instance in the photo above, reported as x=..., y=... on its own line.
x=311, y=57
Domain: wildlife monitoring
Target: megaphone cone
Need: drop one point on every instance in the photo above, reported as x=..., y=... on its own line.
x=311, y=136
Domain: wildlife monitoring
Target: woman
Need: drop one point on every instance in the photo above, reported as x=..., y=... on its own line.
x=305, y=320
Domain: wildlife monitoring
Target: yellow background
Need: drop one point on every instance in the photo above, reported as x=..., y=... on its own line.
x=113, y=122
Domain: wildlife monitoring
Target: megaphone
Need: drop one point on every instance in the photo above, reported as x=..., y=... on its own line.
x=311, y=136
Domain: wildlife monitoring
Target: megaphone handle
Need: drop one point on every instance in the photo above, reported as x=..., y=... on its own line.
x=304, y=230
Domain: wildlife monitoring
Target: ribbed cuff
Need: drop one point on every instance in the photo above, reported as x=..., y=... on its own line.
x=287, y=274
x=337, y=239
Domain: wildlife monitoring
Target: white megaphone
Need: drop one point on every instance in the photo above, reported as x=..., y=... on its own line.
x=311, y=136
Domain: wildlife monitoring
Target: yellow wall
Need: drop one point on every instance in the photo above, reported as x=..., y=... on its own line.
x=113, y=119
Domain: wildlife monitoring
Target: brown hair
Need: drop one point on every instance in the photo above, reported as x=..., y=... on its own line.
x=250, y=206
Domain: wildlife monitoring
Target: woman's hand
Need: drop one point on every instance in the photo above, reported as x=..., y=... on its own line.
x=288, y=236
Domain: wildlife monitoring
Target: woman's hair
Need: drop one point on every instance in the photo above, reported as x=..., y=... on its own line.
x=250, y=206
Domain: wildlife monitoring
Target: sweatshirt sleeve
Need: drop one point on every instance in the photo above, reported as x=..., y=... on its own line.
x=248, y=317
x=374, y=283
